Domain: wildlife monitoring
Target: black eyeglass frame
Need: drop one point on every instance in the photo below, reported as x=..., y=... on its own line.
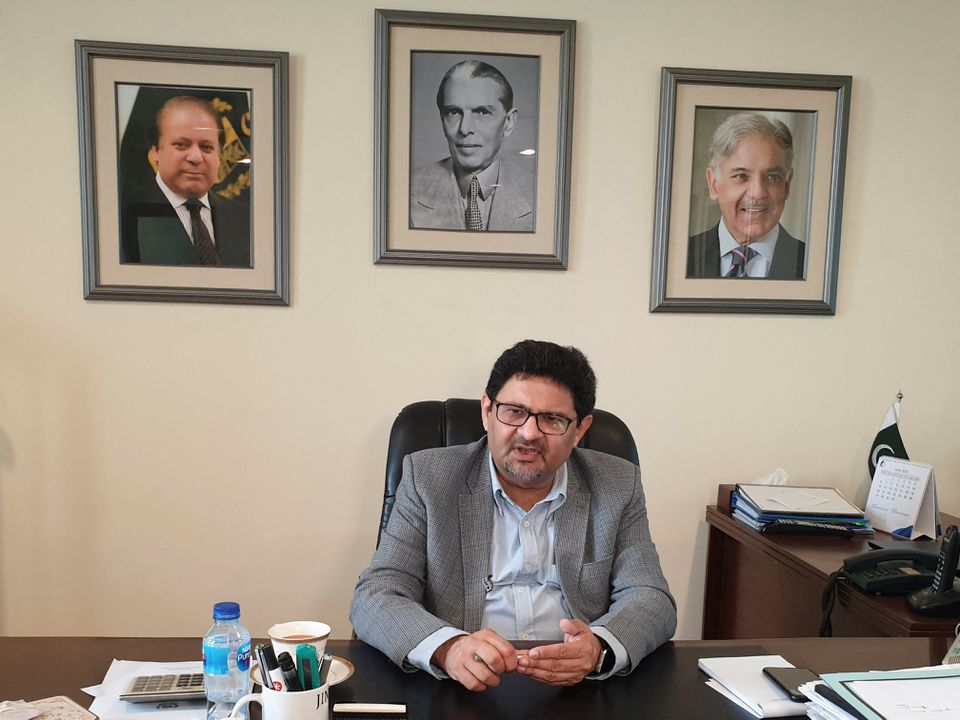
x=536, y=418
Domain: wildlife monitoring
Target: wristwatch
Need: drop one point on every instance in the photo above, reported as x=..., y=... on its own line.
x=607, y=658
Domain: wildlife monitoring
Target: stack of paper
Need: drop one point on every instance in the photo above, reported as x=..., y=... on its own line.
x=932, y=692
x=741, y=679
x=784, y=508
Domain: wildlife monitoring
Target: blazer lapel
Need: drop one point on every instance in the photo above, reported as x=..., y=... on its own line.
x=571, y=523
x=476, y=532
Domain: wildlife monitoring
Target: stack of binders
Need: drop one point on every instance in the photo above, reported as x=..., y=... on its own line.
x=799, y=510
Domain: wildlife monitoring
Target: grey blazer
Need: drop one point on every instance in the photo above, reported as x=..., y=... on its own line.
x=434, y=554
x=435, y=199
x=703, y=256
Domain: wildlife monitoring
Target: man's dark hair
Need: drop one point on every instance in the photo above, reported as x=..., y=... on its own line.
x=566, y=366
x=478, y=69
x=153, y=130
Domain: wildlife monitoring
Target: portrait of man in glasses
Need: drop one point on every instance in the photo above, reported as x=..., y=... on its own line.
x=520, y=535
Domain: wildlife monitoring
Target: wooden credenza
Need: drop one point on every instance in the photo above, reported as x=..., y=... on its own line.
x=770, y=586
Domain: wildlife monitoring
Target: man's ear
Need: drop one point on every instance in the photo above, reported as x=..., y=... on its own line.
x=153, y=157
x=786, y=193
x=582, y=428
x=485, y=406
x=712, y=185
x=510, y=122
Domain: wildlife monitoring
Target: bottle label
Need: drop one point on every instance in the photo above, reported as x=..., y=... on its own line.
x=243, y=656
x=215, y=660
x=218, y=660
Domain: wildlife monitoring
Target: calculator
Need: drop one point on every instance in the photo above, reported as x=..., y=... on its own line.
x=164, y=688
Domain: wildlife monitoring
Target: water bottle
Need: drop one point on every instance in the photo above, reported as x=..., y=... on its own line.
x=226, y=661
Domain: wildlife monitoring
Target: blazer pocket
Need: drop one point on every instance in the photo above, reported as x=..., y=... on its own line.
x=595, y=585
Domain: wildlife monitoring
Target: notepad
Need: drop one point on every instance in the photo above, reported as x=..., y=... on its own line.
x=742, y=680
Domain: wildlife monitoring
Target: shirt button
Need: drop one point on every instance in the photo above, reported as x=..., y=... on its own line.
x=525, y=637
x=519, y=589
x=527, y=566
x=526, y=523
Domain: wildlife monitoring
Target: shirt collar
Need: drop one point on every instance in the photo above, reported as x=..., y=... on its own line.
x=488, y=177
x=763, y=247
x=556, y=496
x=178, y=200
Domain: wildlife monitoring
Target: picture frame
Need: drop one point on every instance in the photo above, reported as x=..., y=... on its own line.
x=799, y=207
x=425, y=159
x=139, y=244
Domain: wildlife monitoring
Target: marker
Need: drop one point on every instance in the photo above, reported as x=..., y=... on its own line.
x=325, y=668
x=275, y=675
x=307, y=670
x=289, y=671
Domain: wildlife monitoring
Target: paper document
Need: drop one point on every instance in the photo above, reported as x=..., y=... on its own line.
x=901, y=694
x=743, y=681
x=109, y=706
x=798, y=500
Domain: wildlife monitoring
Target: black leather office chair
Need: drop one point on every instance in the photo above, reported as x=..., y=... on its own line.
x=456, y=421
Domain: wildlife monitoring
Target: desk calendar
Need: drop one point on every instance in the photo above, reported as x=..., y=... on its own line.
x=903, y=499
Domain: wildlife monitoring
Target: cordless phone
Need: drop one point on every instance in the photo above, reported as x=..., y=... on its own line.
x=943, y=596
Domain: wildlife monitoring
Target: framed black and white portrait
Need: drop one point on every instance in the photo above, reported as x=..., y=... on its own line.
x=473, y=140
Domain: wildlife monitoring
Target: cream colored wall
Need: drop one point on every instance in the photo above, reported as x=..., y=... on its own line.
x=122, y=425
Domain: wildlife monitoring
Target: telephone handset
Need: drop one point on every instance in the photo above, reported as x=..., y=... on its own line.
x=943, y=596
x=892, y=571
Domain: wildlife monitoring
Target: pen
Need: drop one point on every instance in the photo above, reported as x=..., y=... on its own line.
x=274, y=673
x=307, y=670
x=325, y=668
x=264, y=672
x=289, y=670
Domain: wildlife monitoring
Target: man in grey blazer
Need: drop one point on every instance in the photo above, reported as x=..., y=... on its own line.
x=749, y=176
x=519, y=535
x=474, y=189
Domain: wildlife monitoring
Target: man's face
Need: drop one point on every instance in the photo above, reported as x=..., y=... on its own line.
x=526, y=458
x=474, y=122
x=752, y=184
x=188, y=150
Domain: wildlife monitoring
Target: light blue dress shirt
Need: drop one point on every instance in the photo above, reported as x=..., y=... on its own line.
x=524, y=598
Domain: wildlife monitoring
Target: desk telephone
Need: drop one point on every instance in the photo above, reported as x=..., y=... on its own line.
x=925, y=576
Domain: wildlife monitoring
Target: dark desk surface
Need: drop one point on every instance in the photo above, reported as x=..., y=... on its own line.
x=667, y=683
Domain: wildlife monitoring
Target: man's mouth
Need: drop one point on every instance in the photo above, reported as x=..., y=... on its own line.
x=753, y=209
x=527, y=453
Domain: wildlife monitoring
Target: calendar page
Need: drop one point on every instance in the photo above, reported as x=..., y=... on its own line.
x=903, y=499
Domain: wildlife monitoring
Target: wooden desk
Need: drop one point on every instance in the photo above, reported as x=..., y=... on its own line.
x=770, y=586
x=667, y=683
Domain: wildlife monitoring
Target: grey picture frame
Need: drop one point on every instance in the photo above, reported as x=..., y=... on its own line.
x=685, y=91
x=455, y=248
x=265, y=75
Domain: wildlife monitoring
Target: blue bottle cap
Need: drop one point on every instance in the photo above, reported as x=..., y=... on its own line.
x=226, y=611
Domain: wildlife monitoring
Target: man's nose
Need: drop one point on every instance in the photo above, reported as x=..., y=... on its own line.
x=194, y=155
x=758, y=187
x=466, y=124
x=530, y=429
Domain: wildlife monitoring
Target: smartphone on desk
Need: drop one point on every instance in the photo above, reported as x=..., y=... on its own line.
x=789, y=679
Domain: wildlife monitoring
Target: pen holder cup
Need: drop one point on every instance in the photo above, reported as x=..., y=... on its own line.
x=304, y=705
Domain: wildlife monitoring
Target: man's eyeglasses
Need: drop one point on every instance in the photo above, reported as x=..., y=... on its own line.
x=517, y=415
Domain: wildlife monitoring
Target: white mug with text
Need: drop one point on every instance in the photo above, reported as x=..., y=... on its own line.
x=304, y=705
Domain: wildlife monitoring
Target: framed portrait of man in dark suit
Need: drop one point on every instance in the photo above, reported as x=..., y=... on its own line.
x=472, y=158
x=749, y=191
x=179, y=202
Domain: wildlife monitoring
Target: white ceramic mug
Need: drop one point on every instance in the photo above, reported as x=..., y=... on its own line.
x=288, y=636
x=304, y=705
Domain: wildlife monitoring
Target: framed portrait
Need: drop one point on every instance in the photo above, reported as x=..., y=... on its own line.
x=473, y=136
x=184, y=173
x=749, y=198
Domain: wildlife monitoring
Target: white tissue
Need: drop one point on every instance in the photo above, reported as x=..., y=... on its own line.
x=777, y=477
